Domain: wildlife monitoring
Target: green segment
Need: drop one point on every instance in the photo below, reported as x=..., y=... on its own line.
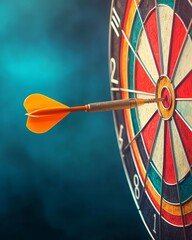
x=154, y=178
x=185, y=188
x=169, y=3
x=133, y=40
x=190, y=32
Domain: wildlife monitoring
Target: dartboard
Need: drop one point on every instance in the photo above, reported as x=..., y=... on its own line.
x=150, y=55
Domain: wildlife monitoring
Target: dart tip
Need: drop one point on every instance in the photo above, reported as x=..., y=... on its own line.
x=161, y=99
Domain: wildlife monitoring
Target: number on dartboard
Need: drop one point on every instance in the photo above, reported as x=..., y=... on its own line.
x=136, y=184
x=154, y=222
x=115, y=22
x=113, y=69
x=121, y=137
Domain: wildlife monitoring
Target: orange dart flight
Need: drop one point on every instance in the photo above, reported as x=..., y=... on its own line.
x=44, y=113
x=40, y=123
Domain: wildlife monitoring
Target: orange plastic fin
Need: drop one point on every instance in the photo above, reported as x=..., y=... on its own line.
x=38, y=101
x=44, y=123
x=41, y=103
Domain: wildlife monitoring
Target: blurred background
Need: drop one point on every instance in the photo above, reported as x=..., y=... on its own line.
x=68, y=183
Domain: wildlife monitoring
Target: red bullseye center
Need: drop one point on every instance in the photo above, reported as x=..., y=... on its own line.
x=167, y=98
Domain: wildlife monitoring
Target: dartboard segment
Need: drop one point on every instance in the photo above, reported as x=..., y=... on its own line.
x=177, y=39
x=181, y=161
x=183, y=64
x=164, y=15
x=150, y=57
x=152, y=33
x=146, y=55
x=184, y=99
x=149, y=134
x=185, y=135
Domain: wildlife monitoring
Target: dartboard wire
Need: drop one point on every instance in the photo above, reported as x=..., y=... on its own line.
x=143, y=26
x=136, y=136
x=177, y=183
x=180, y=52
x=162, y=180
x=183, y=99
x=138, y=58
x=149, y=161
x=190, y=169
x=171, y=36
x=132, y=91
x=186, y=123
x=159, y=37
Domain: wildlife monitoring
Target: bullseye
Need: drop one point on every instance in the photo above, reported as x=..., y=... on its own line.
x=164, y=89
x=166, y=95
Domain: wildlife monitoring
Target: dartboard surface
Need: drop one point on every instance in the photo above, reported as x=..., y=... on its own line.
x=151, y=57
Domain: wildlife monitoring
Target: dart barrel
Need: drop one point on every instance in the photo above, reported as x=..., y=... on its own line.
x=118, y=104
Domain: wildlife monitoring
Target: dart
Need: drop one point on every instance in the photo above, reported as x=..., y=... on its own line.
x=44, y=113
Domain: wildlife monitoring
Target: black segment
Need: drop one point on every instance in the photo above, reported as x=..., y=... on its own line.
x=188, y=231
x=142, y=151
x=133, y=175
x=184, y=10
x=170, y=232
x=151, y=217
x=170, y=193
x=145, y=7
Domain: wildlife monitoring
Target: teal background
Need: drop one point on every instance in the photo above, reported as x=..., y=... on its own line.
x=68, y=183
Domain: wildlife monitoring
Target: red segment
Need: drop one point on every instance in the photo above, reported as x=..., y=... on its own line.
x=185, y=135
x=149, y=131
x=184, y=90
x=169, y=170
x=142, y=81
x=188, y=219
x=152, y=33
x=176, y=220
x=178, y=34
